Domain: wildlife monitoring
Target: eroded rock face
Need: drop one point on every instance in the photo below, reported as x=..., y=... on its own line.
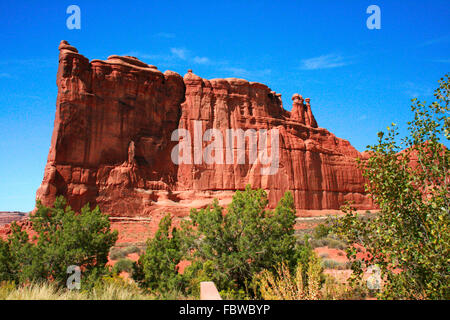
x=112, y=141
x=7, y=217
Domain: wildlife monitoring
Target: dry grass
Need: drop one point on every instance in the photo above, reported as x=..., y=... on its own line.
x=333, y=264
x=48, y=291
x=284, y=286
x=336, y=290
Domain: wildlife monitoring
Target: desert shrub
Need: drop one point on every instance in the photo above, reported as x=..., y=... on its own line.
x=229, y=294
x=333, y=264
x=157, y=267
x=283, y=286
x=230, y=249
x=324, y=255
x=330, y=264
x=63, y=238
x=123, y=265
x=328, y=242
x=117, y=253
x=321, y=231
x=335, y=244
x=114, y=287
x=409, y=180
x=316, y=243
x=333, y=289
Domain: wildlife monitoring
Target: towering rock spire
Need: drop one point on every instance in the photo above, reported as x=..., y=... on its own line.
x=310, y=120
x=302, y=112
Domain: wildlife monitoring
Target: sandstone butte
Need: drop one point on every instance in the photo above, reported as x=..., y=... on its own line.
x=111, y=144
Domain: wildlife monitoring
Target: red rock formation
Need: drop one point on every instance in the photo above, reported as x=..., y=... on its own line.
x=111, y=142
x=7, y=217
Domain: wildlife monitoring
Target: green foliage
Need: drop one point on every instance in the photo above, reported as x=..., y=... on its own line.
x=227, y=249
x=230, y=249
x=233, y=294
x=157, y=268
x=63, y=238
x=321, y=231
x=409, y=180
x=123, y=264
x=7, y=263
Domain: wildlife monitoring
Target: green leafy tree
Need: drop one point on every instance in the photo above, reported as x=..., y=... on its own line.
x=62, y=238
x=157, y=268
x=231, y=248
x=409, y=180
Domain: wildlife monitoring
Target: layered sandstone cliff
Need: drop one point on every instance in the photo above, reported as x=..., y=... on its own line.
x=112, y=141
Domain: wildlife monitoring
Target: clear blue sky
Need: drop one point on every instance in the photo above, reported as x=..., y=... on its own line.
x=359, y=80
